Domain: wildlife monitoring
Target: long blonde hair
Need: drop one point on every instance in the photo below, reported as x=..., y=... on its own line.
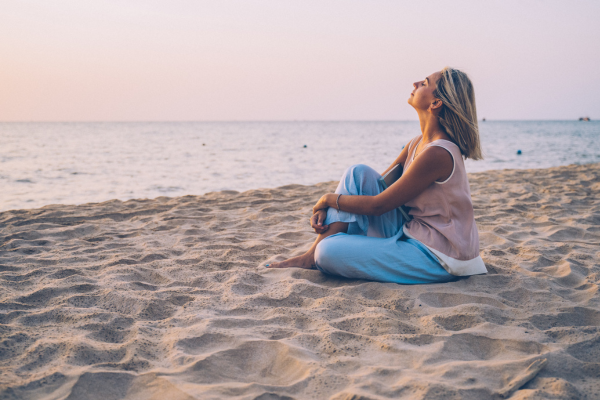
x=458, y=115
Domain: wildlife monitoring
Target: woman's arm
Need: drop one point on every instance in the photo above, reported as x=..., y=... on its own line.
x=433, y=164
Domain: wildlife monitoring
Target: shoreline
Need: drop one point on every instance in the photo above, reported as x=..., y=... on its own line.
x=167, y=297
x=236, y=192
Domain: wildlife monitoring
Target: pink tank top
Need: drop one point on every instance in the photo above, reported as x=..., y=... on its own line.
x=442, y=215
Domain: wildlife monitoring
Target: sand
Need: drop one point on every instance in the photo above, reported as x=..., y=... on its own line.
x=168, y=299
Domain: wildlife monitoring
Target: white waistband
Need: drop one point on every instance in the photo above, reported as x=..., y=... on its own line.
x=452, y=265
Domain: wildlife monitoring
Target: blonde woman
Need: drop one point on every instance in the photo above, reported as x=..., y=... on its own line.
x=363, y=234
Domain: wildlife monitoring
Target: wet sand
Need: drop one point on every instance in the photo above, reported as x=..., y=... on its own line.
x=168, y=299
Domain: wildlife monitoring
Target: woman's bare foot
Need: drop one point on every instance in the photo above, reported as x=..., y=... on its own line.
x=305, y=261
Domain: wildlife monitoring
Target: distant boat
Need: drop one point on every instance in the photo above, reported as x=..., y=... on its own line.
x=483, y=120
x=585, y=119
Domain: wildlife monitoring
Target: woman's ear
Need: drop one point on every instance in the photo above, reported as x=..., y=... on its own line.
x=436, y=106
x=437, y=103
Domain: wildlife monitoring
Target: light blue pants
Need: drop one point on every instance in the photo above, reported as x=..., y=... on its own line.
x=375, y=247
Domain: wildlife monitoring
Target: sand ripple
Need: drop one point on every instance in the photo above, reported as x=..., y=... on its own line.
x=168, y=298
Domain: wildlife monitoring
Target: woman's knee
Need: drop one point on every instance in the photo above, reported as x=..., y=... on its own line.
x=327, y=252
x=360, y=173
x=361, y=179
x=360, y=170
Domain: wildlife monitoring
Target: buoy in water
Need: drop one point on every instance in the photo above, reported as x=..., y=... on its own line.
x=519, y=152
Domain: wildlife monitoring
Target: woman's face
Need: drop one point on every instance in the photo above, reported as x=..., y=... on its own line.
x=422, y=97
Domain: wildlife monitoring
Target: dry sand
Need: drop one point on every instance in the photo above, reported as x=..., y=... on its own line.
x=168, y=299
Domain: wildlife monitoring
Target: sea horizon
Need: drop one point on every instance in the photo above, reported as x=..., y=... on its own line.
x=285, y=120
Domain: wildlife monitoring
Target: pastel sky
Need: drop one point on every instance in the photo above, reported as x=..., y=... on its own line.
x=152, y=60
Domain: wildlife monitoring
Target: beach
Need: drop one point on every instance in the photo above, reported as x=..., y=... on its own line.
x=169, y=298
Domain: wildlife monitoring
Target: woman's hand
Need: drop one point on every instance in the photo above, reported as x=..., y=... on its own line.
x=322, y=204
x=316, y=221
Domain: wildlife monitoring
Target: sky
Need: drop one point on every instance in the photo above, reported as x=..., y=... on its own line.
x=243, y=60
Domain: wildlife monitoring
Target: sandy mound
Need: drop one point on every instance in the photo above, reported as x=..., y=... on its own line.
x=167, y=298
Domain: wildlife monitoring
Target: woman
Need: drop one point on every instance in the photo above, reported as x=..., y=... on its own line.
x=363, y=234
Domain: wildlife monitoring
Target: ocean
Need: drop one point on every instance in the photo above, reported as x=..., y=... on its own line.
x=74, y=163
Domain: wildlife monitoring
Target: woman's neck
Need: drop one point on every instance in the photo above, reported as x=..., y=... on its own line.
x=431, y=128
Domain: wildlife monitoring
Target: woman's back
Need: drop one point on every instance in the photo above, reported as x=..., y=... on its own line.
x=442, y=215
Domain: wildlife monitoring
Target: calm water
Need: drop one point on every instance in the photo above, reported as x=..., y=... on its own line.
x=45, y=163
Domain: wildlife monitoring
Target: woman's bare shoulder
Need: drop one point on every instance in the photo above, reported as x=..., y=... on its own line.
x=434, y=161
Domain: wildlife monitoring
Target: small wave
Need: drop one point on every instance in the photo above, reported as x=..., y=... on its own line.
x=166, y=189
